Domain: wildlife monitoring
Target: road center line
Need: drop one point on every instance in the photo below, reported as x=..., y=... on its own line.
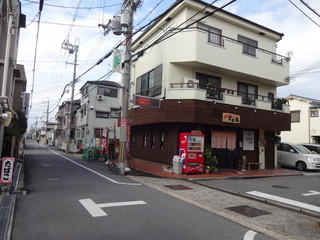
x=99, y=174
x=286, y=201
x=53, y=179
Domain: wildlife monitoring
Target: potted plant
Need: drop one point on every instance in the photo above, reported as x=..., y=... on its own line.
x=279, y=102
x=210, y=160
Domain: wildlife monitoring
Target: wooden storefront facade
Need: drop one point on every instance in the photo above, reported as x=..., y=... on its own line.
x=155, y=131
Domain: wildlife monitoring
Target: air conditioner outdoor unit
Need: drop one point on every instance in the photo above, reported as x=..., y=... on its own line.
x=100, y=97
x=190, y=83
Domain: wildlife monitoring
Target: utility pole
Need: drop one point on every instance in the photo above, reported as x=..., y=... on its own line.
x=46, y=138
x=72, y=49
x=124, y=25
x=125, y=80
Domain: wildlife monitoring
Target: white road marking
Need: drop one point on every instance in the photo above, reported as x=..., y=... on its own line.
x=311, y=193
x=46, y=165
x=99, y=174
x=249, y=235
x=96, y=211
x=53, y=179
x=285, y=200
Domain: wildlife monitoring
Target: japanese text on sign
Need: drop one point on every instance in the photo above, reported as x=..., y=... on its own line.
x=7, y=170
x=230, y=118
x=147, y=101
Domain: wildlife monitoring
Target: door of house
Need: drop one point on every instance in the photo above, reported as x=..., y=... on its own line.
x=269, y=150
x=224, y=145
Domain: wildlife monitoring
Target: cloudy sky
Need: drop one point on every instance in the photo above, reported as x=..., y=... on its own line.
x=77, y=22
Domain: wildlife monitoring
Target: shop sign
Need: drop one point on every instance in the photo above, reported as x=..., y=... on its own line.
x=248, y=140
x=146, y=101
x=7, y=170
x=230, y=118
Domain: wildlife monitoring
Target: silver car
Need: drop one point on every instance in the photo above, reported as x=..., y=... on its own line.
x=295, y=155
x=313, y=147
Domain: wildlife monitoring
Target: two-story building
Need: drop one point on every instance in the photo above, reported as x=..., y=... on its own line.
x=214, y=72
x=98, y=112
x=305, y=120
x=63, y=116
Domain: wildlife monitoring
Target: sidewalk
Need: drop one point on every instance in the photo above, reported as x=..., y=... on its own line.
x=158, y=169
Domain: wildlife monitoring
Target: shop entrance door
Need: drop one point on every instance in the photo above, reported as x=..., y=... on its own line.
x=224, y=145
x=269, y=150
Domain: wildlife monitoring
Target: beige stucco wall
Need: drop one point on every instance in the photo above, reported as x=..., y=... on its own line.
x=301, y=131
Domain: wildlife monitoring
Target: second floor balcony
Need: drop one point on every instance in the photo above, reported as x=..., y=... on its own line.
x=226, y=96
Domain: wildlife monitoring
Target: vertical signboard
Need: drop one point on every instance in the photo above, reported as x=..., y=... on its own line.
x=248, y=140
x=25, y=102
x=7, y=170
x=117, y=60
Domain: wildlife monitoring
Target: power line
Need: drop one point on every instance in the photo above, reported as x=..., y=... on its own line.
x=314, y=11
x=149, y=13
x=35, y=51
x=165, y=35
x=304, y=13
x=60, y=6
x=64, y=24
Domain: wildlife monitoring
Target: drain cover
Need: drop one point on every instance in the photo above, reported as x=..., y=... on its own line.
x=248, y=211
x=177, y=187
x=280, y=186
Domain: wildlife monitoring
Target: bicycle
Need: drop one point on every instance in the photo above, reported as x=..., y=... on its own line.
x=113, y=164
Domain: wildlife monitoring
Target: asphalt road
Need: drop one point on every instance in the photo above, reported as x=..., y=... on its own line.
x=298, y=191
x=69, y=198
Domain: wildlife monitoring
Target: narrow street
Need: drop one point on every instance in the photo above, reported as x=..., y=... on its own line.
x=69, y=198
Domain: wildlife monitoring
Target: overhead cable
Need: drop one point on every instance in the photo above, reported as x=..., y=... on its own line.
x=304, y=13
x=314, y=11
x=60, y=6
x=35, y=51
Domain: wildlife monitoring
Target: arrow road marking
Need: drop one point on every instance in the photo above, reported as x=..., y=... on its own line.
x=249, y=235
x=96, y=211
x=285, y=200
x=311, y=193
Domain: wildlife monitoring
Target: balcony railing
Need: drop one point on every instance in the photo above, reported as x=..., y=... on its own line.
x=217, y=93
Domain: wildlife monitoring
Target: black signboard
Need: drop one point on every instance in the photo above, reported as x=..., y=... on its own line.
x=144, y=101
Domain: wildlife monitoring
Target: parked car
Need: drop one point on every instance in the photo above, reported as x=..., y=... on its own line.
x=296, y=155
x=313, y=147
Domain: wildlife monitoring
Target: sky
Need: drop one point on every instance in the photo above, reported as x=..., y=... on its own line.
x=77, y=22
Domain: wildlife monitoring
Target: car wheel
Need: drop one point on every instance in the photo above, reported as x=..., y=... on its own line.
x=301, y=166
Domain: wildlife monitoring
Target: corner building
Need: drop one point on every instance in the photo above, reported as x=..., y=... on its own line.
x=218, y=75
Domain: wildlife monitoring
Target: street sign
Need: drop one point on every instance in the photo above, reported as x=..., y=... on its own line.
x=144, y=101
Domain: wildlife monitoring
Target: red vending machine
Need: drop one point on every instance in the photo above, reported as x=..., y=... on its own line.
x=191, y=152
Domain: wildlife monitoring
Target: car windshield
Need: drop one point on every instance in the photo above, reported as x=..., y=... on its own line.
x=302, y=149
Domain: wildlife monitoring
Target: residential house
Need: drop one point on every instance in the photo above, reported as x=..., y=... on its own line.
x=11, y=20
x=305, y=120
x=62, y=118
x=98, y=112
x=214, y=72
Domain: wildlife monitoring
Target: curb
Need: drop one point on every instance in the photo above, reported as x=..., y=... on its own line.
x=261, y=200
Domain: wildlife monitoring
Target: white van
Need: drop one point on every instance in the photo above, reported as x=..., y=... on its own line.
x=296, y=155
